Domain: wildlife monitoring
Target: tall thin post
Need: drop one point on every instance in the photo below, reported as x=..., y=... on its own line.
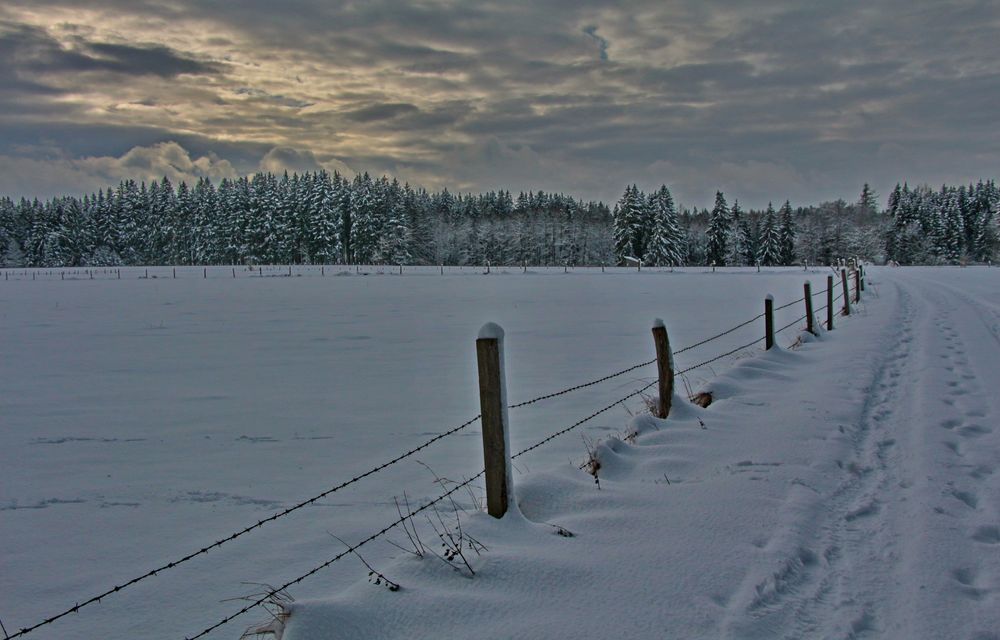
x=204, y=273
x=829, y=303
x=400, y=269
x=861, y=268
x=234, y=273
x=175, y=273
x=857, y=285
x=810, y=321
x=493, y=408
x=847, y=292
x=768, y=322
x=665, y=368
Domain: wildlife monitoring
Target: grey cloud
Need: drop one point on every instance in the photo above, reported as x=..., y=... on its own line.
x=749, y=95
x=378, y=112
x=32, y=50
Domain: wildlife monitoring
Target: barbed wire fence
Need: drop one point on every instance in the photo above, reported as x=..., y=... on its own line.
x=267, y=595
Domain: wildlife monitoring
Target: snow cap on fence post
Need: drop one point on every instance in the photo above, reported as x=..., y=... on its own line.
x=493, y=407
x=665, y=368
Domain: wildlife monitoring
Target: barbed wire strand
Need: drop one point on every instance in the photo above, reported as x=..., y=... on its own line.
x=581, y=386
x=274, y=591
x=260, y=523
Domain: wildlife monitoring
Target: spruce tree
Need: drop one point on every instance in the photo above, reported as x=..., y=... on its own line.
x=666, y=243
x=718, y=231
x=786, y=236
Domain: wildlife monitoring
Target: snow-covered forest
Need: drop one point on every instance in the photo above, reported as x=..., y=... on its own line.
x=318, y=218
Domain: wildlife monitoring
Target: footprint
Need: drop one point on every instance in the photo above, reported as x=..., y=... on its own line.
x=950, y=423
x=967, y=497
x=965, y=576
x=981, y=472
x=974, y=431
x=989, y=534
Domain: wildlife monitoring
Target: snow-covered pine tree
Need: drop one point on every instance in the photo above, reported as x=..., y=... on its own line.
x=630, y=230
x=786, y=236
x=769, y=253
x=666, y=242
x=717, y=235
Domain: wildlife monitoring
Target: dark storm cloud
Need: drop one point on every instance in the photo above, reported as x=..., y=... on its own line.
x=766, y=100
x=378, y=112
x=32, y=50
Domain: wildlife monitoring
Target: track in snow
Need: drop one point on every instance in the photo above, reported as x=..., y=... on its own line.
x=893, y=544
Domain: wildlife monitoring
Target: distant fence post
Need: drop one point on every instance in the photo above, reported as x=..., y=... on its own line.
x=493, y=408
x=768, y=322
x=665, y=368
x=175, y=273
x=810, y=321
x=847, y=292
x=829, y=303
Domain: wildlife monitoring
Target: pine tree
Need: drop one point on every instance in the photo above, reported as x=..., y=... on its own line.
x=769, y=253
x=786, y=236
x=718, y=231
x=666, y=243
x=868, y=202
x=630, y=231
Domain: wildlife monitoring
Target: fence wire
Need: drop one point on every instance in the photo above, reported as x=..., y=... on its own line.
x=260, y=523
x=169, y=565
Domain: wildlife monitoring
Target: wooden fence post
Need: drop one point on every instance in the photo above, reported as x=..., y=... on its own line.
x=175, y=273
x=847, y=292
x=857, y=284
x=810, y=321
x=829, y=303
x=234, y=273
x=493, y=408
x=861, y=268
x=665, y=368
x=768, y=322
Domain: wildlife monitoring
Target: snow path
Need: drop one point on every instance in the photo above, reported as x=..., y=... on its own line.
x=896, y=549
x=846, y=489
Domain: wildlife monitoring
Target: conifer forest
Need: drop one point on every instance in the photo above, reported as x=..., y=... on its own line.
x=323, y=218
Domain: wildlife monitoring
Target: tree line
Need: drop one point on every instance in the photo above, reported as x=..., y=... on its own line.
x=323, y=218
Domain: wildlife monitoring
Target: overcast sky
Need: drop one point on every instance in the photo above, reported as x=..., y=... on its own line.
x=805, y=100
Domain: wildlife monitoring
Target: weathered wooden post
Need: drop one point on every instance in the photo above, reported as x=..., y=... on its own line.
x=400, y=269
x=768, y=322
x=204, y=273
x=602, y=267
x=175, y=273
x=847, y=292
x=664, y=367
x=119, y=274
x=758, y=266
x=493, y=409
x=147, y=274
x=234, y=273
x=829, y=303
x=810, y=321
x=713, y=266
x=862, y=269
x=857, y=284
x=487, y=266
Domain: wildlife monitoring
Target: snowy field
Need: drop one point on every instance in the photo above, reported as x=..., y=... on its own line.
x=846, y=487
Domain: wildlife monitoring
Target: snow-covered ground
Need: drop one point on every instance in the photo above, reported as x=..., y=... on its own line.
x=844, y=487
